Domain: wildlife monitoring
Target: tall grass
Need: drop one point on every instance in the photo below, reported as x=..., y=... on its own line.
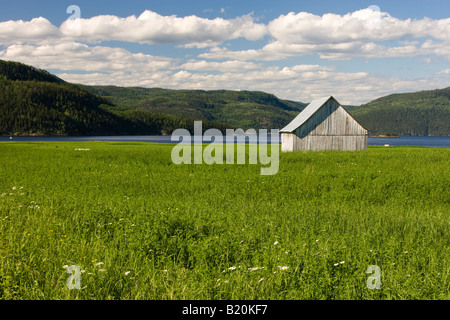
x=140, y=227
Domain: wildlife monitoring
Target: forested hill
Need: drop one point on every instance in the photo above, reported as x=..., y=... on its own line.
x=421, y=113
x=425, y=113
x=34, y=102
x=10, y=70
x=239, y=109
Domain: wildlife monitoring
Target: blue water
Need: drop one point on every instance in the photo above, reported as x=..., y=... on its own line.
x=443, y=142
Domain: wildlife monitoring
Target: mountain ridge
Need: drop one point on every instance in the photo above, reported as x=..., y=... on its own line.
x=35, y=102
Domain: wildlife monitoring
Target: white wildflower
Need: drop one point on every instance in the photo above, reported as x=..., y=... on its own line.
x=256, y=268
x=65, y=266
x=127, y=273
x=275, y=243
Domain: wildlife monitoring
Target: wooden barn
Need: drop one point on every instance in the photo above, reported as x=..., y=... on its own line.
x=323, y=125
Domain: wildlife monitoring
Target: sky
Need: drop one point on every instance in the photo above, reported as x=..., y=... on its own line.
x=299, y=50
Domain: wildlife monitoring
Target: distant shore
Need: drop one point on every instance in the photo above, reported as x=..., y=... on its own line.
x=162, y=135
x=386, y=136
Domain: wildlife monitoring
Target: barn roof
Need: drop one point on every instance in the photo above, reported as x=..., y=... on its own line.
x=306, y=114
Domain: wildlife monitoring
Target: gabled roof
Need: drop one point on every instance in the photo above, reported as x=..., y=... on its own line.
x=306, y=114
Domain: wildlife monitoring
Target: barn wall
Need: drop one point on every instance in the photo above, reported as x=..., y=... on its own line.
x=287, y=142
x=331, y=119
x=330, y=128
x=317, y=143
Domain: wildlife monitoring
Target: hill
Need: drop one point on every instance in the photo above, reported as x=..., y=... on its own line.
x=421, y=113
x=424, y=113
x=34, y=102
x=239, y=109
x=16, y=71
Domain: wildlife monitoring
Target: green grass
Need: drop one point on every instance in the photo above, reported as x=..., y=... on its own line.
x=162, y=231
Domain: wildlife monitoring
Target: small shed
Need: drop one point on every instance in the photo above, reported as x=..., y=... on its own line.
x=324, y=125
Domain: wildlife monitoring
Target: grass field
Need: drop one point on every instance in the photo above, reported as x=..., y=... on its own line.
x=140, y=227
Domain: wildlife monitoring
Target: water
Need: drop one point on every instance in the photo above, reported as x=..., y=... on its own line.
x=443, y=142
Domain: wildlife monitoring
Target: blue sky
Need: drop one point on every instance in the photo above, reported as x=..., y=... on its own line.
x=298, y=50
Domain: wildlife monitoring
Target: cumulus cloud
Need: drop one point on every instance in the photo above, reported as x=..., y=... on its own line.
x=225, y=66
x=356, y=34
x=277, y=50
x=151, y=28
x=307, y=28
x=78, y=56
x=301, y=82
x=445, y=71
x=35, y=29
x=75, y=48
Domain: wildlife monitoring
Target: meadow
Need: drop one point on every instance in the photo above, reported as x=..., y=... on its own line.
x=140, y=227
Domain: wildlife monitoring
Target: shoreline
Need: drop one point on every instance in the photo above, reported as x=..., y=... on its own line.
x=155, y=135
x=389, y=136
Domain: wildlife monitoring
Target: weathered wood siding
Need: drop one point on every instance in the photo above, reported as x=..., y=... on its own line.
x=330, y=128
x=317, y=143
x=288, y=142
x=331, y=120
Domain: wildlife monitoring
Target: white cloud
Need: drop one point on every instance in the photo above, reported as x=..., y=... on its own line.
x=333, y=36
x=75, y=49
x=77, y=56
x=151, y=28
x=445, y=71
x=301, y=83
x=277, y=50
x=307, y=28
x=37, y=28
x=226, y=66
